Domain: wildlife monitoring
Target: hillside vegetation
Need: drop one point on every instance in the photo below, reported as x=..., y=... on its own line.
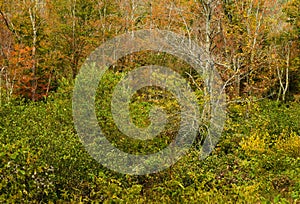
x=256, y=160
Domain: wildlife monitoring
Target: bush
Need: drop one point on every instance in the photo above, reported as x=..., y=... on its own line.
x=24, y=176
x=43, y=160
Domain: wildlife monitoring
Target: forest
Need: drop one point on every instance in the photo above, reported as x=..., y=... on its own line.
x=254, y=45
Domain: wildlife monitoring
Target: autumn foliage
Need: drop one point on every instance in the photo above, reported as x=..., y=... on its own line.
x=254, y=44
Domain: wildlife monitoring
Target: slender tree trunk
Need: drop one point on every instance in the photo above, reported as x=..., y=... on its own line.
x=284, y=83
x=286, y=73
x=73, y=59
x=32, y=15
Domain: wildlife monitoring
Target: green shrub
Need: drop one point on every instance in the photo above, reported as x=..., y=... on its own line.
x=24, y=176
x=43, y=160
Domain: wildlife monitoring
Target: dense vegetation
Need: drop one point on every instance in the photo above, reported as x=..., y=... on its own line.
x=42, y=159
x=253, y=44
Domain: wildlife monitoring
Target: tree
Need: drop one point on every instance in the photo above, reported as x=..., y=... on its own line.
x=26, y=22
x=245, y=38
x=292, y=11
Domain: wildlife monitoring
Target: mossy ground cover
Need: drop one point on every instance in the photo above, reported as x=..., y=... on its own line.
x=42, y=159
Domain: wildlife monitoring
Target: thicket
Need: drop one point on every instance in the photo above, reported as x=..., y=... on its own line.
x=43, y=160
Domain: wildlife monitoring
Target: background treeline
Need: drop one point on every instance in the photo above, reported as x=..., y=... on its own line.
x=254, y=43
